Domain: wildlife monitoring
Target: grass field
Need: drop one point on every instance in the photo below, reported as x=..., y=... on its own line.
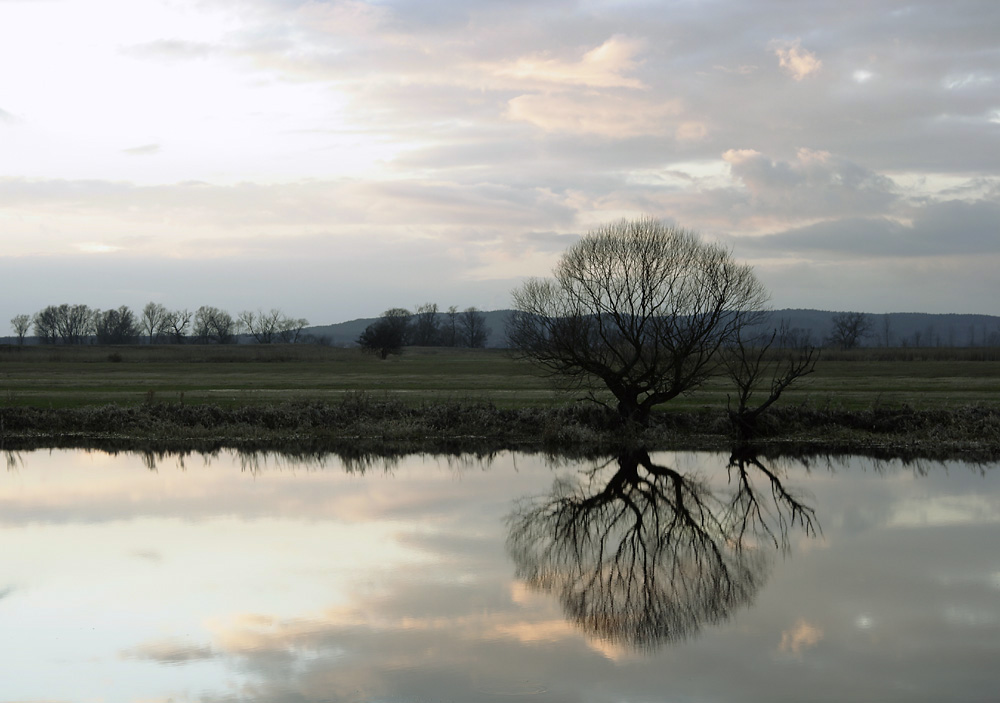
x=230, y=376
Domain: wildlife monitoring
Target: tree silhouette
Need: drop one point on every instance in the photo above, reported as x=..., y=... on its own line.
x=638, y=309
x=649, y=555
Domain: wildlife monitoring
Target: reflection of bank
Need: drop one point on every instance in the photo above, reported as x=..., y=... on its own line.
x=640, y=554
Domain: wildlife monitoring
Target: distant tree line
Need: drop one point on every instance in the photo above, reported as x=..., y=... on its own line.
x=80, y=324
x=850, y=330
x=425, y=327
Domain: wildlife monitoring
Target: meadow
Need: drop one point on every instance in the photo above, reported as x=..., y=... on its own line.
x=930, y=403
x=253, y=375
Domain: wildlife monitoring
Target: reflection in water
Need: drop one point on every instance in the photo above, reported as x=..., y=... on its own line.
x=649, y=555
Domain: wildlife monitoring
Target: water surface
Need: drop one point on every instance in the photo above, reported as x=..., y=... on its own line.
x=667, y=577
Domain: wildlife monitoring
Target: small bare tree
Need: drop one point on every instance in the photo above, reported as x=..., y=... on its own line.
x=449, y=333
x=45, y=322
x=761, y=374
x=290, y=329
x=387, y=335
x=176, y=325
x=20, y=324
x=262, y=326
x=849, y=328
x=212, y=325
x=473, y=329
x=116, y=326
x=425, y=330
x=154, y=321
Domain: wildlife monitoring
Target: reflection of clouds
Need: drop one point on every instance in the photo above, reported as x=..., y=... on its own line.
x=169, y=651
x=449, y=622
x=803, y=635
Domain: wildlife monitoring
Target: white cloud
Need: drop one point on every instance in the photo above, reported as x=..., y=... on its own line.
x=796, y=61
x=613, y=116
x=602, y=67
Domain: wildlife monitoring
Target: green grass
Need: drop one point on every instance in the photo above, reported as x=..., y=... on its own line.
x=231, y=376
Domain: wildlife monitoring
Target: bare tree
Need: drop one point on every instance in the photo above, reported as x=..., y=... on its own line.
x=290, y=329
x=473, y=329
x=116, y=326
x=426, y=329
x=74, y=323
x=262, y=326
x=761, y=374
x=886, y=330
x=449, y=333
x=176, y=325
x=849, y=328
x=20, y=324
x=637, y=308
x=46, y=328
x=387, y=335
x=154, y=320
x=212, y=325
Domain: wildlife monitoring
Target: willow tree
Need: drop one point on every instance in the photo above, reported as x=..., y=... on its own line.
x=638, y=308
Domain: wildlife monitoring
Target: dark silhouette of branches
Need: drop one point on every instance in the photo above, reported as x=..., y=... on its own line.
x=761, y=374
x=637, y=308
x=648, y=555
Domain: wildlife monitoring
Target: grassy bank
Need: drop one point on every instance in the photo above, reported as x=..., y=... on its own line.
x=182, y=396
x=372, y=424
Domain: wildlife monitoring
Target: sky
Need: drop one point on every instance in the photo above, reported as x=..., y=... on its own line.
x=334, y=159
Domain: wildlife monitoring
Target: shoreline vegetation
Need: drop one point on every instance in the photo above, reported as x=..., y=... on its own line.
x=934, y=404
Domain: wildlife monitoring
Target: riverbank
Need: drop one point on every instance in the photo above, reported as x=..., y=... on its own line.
x=366, y=423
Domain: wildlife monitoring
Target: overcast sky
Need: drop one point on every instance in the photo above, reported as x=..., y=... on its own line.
x=337, y=158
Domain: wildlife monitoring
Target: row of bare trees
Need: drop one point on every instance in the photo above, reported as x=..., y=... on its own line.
x=156, y=324
x=425, y=327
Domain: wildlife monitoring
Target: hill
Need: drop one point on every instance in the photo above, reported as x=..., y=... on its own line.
x=897, y=329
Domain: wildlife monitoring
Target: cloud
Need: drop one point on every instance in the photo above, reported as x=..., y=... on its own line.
x=169, y=651
x=802, y=636
x=814, y=184
x=796, y=61
x=7, y=117
x=172, y=49
x=602, y=67
x=144, y=150
x=613, y=116
x=950, y=228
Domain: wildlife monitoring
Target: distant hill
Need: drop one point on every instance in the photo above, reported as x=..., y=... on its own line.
x=913, y=329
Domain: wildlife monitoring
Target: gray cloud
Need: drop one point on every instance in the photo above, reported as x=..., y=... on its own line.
x=952, y=227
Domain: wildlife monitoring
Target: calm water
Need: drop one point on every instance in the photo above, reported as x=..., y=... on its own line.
x=670, y=577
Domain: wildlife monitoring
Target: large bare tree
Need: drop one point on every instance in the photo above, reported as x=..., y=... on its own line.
x=638, y=308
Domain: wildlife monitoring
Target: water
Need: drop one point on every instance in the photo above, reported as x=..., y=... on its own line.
x=638, y=578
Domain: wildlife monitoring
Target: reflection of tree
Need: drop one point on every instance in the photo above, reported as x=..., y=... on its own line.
x=649, y=555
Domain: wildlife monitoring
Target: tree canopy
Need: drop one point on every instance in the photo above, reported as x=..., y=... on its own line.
x=638, y=308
